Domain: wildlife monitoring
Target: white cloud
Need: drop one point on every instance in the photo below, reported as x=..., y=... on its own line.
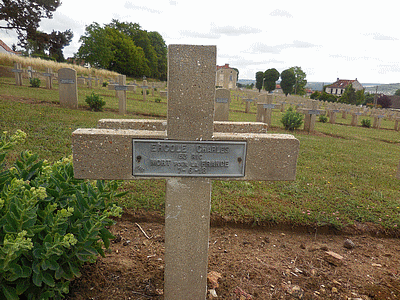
x=280, y=13
x=129, y=5
x=233, y=31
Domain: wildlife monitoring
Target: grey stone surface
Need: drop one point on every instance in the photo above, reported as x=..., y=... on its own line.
x=191, y=91
x=161, y=125
x=68, y=90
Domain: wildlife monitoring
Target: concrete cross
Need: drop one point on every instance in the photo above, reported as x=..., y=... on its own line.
x=264, y=109
x=311, y=115
x=89, y=81
x=49, y=78
x=144, y=89
x=189, y=154
x=18, y=74
x=31, y=72
x=120, y=92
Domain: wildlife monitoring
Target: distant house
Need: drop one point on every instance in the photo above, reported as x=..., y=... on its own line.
x=337, y=88
x=226, y=77
x=5, y=49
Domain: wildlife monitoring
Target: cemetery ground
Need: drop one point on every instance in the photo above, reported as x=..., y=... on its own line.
x=270, y=240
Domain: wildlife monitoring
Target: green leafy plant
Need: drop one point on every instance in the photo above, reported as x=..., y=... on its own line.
x=34, y=82
x=157, y=100
x=105, y=83
x=291, y=119
x=95, y=102
x=323, y=118
x=366, y=123
x=50, y=224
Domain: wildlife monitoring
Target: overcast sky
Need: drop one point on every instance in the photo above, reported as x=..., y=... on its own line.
x=327, y=39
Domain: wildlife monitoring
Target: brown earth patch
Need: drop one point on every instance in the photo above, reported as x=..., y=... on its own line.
x=265, y=262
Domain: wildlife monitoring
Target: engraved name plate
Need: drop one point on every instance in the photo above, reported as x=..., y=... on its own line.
x=221, y=100
x=314, y=112
x=67, y=81
x=268, y=106
x=168, y=158
x=121, y=88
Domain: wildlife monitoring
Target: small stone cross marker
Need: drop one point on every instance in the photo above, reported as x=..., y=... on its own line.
x=120, y=90
x=49, y=78
x=18, y=74
x=189, y=154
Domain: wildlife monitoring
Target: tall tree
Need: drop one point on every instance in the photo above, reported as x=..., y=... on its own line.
x=161, y=49
x=349, y=96
x=96, y=46
x=270, y=78
x=301, y=81
x=24, y=15
x=142, y=40
x=112, y=49
x=259, y=80
x=288, y=80
x=57, y=41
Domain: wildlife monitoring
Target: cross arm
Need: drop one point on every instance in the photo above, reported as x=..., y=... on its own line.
x=108, y=153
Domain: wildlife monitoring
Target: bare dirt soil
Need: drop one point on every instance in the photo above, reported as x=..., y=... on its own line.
x=263, y=262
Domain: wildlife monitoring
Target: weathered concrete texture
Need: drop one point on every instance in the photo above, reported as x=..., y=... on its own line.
x=139, y=124
x=68, y=88
x=107, y=153
x=161, y=125
x=187, y=214
x=191, y=91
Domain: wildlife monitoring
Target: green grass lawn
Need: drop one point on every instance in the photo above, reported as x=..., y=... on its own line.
x=344, y=174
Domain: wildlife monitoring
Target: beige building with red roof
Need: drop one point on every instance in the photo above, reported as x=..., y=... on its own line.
x=226, y=77
x=337, y=88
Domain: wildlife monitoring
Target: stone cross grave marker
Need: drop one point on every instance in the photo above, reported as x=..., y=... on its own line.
x=189, y=154
x=120, y=92
x=264, y=109
x=354, y=117
x=18, y=74
x=89, y=81
x=144, y=89
x=221, y=109
x=31, y=72
x=248, y=102
x=49, y=78
x=68, y=88
x=310, y=116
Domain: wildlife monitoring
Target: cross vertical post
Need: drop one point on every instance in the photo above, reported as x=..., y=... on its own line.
x=191, y=93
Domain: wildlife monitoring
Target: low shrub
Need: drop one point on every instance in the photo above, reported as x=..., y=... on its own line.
x=35, y=82
x=366, y=123
x=95, y=102
x=50, y=224
x=105, y=83
x=291, y=119
x=323, y=118
x=157, y=100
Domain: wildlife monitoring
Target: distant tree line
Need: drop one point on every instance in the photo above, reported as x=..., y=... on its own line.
x=24, y=17
x=293, y=80
x=124, y=48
